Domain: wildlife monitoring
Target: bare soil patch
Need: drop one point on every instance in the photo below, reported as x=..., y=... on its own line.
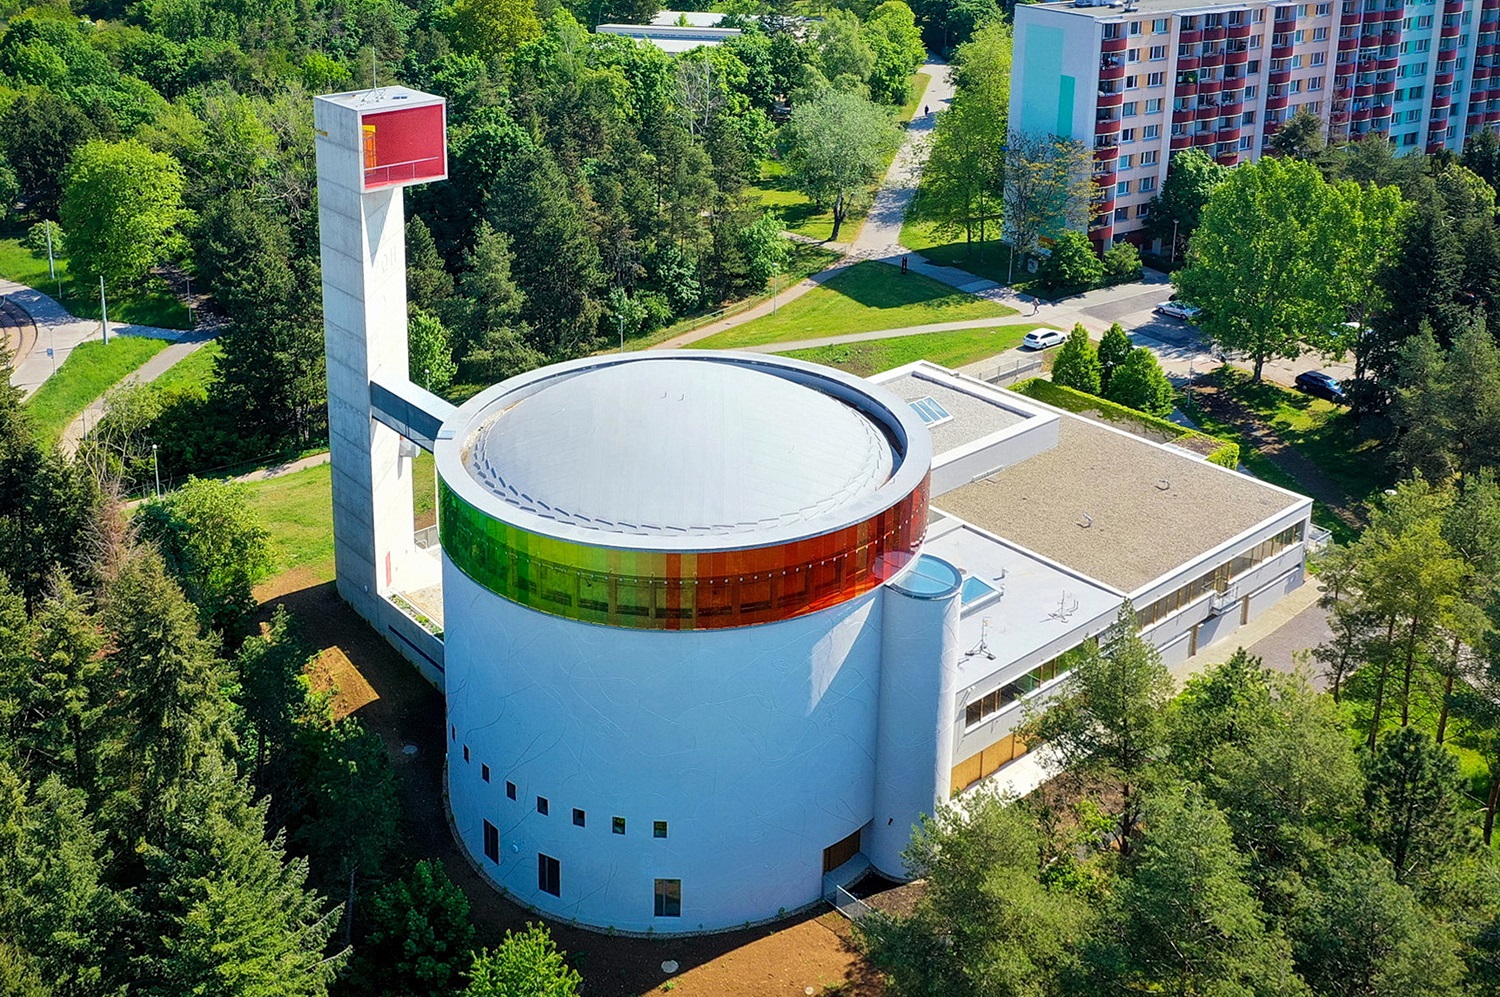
x=369, y=679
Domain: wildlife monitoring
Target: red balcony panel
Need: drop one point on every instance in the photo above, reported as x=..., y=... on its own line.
x=1113, y=46
x=1386, y=65
x=1364, y=90
x=1277, y=103
x=1390, y=36
x=1210, y=86
x=1394, y=15
x=1279, y=77
x=1282, y=51
x=1102, y=128
x=1453, y=6
x=1230, y=134
x=1215, y=34
x=1187, y=64
x=1184, y=116
x=1190, y=37
x=1236, y=58
x=1106, y=179
x=1484, y=50
x=1492, y=117
x=1112, y=99
x=1474, y=122
x=1185, y=141
x=1211, y=60
x=1243, y=30
x=1228, y=159
x=1442, y=79
x=1349, y=44
x=1433, y=148
x=1362, y=114
x=1208, y=113
x=1232, y=107
x=1447, y=31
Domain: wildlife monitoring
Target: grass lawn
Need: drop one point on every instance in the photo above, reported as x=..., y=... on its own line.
x=153, y=305
x=297, y=509
x=866, y=297
x=424, y=490
x=919, y=83
x=194, y=370
x=88, y=372
x=951, y=349
x=989, y=258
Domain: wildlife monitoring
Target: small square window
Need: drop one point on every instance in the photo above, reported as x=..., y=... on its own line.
x=510, y=790
x=542, y=806
x=466, y=752
x=658, y=829
x=668, y=898
x=578, y=817
x=484, y=772
x=548, y=875
x=492, y=842
x=617, y=825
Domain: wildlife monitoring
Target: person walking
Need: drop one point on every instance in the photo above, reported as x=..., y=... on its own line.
x=903, y=266
x=1036, y=305
x=926, y=111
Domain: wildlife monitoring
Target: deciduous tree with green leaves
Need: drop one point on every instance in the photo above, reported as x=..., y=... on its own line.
x=1077, y=362
x=1192, y=177
x=525, y=964
x=1072, y=266
x=1141, y=384
x=1260, y=265
x=835, y=148
x=1114, y=349
x=122, y=202
x=1049, y=188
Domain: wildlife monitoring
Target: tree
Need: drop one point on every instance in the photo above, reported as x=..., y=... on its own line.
x=417, y=934
x=986, y=924
x=1077, y=363
x=1107, y=722
x=892, y=35
x=1122, y=264
x=835, y=147
x=1049, y=188
x=1072, y=265
x=1184, y=921
x=1259, y=265
x=427, y=280
x=121, y=203
x=1412, y=804
x=1140, y=383
x=839, y=48
x=1300, y=136
x=1114, y=349
x=492, y=28
x=1482, y=155
x=1363, y=222
x=429, y=354
x=525, y=964
x=271, y=692
x=270, y=374
x=245, y=257
x=214, y=546
x=1192, y=177
x=40, y=134
x=489, y=332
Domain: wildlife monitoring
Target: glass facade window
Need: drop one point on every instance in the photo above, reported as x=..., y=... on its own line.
x=1219, y=578
x=993, y=702
x=492, y=842
x=985, y=763
x=664, y=590
x=548, y=875
x=668, y=898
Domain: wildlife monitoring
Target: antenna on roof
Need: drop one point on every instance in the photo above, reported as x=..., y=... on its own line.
x=1066, y=607
x=983, y=646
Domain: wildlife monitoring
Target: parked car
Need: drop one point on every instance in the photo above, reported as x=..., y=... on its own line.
x=1321, y=385
x=1178, y=309
x=1040, y=339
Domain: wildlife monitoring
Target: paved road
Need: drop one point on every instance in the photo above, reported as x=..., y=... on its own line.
x=881, y=234
x=149, y=371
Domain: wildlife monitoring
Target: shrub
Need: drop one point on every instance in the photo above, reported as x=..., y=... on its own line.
x=1122, y=264
x=1140, y=384
x=1077, y=364
x=1114, y=349
x=1073, y=264
x=35, y=239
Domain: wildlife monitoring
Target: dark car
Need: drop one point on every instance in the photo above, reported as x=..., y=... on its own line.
x=1321, y=385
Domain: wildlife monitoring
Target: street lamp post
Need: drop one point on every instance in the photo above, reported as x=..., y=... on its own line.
x=156, y=466
x=103, y=311
x=1173, y=258
x=620, y=319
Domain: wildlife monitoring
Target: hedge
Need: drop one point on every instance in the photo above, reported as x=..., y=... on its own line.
x=1226, y=454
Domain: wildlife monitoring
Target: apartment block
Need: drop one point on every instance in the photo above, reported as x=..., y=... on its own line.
x=1139, y=81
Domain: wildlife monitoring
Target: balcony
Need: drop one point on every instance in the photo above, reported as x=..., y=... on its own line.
x=1207, y=112
x=1108, y=128
x=1112, y=72
x=1230, y=134
x=1183, y=116
x=1361, y=114
x=1393, y=15
x=1282, y=51
x=1492, y=117
x=1227, y=159
x=1106, y=178
x=1442, y=79
x=1114, y=46
x=1391, y=36
x=1279, y=77
x=1180, y=142
x=1187, y=64
x=1232, y=107
x=1114, y=99
x=1349, y=44
x=1216, y=34
x=1474, y=122
x=1453, y=6
x=1239, y=30
x=1364, y=90
x=1384, y=88
x=1436, y=146
x=1210, y=86
x=1386, y=65
x=1278, y=102
x=1449, y=31
x=1189, y=37
x=1212, y=60
x=1233, y=58
x=1106, y=155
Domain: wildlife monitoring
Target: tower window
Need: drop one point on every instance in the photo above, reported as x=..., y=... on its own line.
x=510, y=790
x=658, y=829
x=542, y=807
x=668, y=898
x=578, y=817
x=617, y=825
x=484, y=772
x=492, y=842
x=548, y=875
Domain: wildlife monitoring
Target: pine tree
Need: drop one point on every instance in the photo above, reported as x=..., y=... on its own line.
x=427, y=280
x=1413, y=804
x=1114, y=350
x=416, y=936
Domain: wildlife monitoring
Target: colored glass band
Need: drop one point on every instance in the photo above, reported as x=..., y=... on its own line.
x=660, y=590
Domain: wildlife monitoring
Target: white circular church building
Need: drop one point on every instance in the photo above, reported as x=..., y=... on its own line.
x=662, y=584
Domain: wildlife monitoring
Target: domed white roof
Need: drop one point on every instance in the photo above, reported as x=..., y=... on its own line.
x=659, y=447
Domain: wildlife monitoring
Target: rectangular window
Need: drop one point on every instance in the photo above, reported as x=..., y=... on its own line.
x=1130, y=82
x=658, y=829
x=1294, y=87
x=1245, y=143
x=510, y=790
x=1324, y=9
x=548, y=874
x=542, y=806
x=1159, y=26
x=578, y=817
x=1122, y=214
x=1248, y=118
x=1315, y=83
x=1151, y=132
x=454, y=732
x=1158, y=53
x=1127, y=134
x=669, y=898
x=1148, y=158
x=1128, y=109
x=1155, y=79
x=1320, y=34
x=1135, y=27
x=466, y=752
x=1125, y=162
x=1415, y=93
x=1251, y=92
x=1296, y=62
x=484, y=772
x=1132, y=55
x=1148, y=184
x=1123, y=187
x=1318, y=59
x=1153, y=106
x=492, y=842
x=617, y=825
x=1143, y=210
x=1409, y=139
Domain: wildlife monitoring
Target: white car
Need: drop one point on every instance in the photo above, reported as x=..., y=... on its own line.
x=1178, y=309
x=1040, y=339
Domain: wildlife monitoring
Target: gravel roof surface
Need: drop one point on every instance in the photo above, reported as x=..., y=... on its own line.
x=1115, y=507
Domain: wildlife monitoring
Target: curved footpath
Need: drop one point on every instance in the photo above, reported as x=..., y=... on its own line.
x=57, y=330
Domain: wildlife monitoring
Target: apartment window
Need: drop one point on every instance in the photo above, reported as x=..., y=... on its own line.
x=1248, y=118
x=1260, y=15
x=1294, y=87
x=1148, y=184
x=1123, y=187
x=1151, y=132
x=548, y=874
x=1159, y=26
x=1148, y=158
x=1135, y=27
x=510, y=790
x=1155, y=79
x=454, y=732
x=1131, y=82
x=1296, y=62
x=1318, y=59
x=1251, y=92
x=542, y=806
x=1128, y=109
x=1324, y=9
x=1415, y=114
x=1452, y=132
x=466, y=752
x=617, y=825
x=1153, y=106
x=579, y=818
x=1297, y=37
x=1409, y=139
x=484, y=772
x=1122, y=214
x=1320, y=34
x=1399, y=96
x=1125, y=162
x=1315, y=83
x=669, y=898
x=658, y=829
x=1415, y=93
x=1245, y=143
x=1132, y=55
x=492, y=842
x=1142, y=211
x=1425, y=21
x=1127, y=134
x=1158, y=53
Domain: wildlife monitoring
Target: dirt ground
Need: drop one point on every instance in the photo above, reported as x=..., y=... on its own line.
x=809, y=953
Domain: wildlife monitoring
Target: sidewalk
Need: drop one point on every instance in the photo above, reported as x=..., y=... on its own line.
x=145, y=373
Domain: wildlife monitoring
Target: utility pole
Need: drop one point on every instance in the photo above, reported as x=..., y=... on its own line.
x=620, y=318
x=1173, y=257
x=189, y=280
x=103, y=311
x=156, y=466
x=775, y=287
x=51, y=266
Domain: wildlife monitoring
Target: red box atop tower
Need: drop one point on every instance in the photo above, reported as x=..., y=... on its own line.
x=406, y=145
